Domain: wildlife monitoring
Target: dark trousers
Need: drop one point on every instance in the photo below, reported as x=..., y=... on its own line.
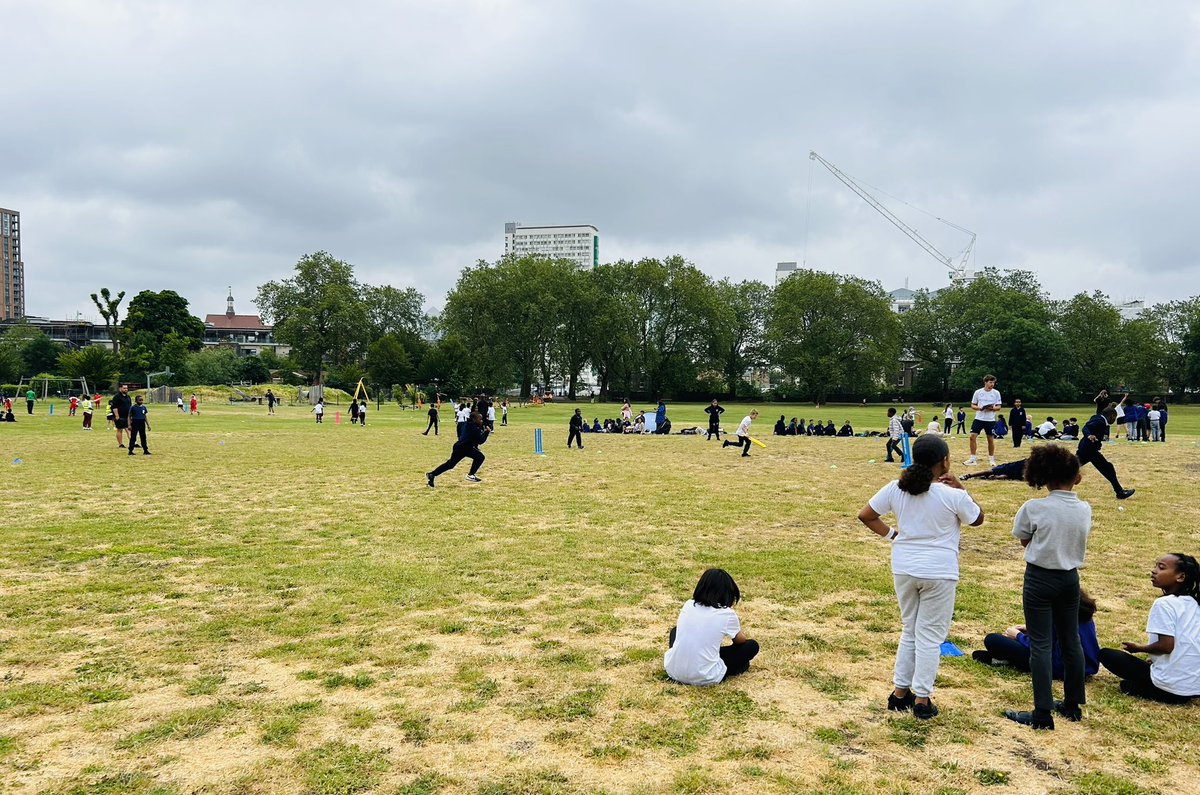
x=743, y=442
x=461, y=427
x=29, y=406
x=432, y=424
x=893, y=445
x=714, y=428
x=87, y=419
x=135, y=429
x=1102, y=465
x=949, y=424
x=362, y=419
x=1008, y=650
x=1051, y=601
x=961, y=428
x=574, y=434
x=458, y=454
x=736, y=656
x=1162, y=430
x=1018, y=434
x=503, y=420
x=1135, y=677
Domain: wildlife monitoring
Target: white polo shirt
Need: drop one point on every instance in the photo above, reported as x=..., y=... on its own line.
x=985, y=397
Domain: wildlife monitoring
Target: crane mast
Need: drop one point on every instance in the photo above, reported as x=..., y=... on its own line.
x=958, y=271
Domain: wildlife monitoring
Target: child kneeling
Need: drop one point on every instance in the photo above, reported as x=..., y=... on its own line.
x=695, y=655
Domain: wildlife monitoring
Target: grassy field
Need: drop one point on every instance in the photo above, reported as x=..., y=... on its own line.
x=268, y=605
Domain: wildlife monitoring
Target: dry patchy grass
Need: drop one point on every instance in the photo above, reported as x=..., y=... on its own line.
x=267, y=605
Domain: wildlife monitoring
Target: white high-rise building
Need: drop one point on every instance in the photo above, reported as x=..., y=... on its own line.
x=580, y=243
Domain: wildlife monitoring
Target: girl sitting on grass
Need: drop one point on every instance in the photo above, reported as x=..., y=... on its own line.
x=695, y=655
x=1011, y=647
x=1172, y=675
x=930, y=507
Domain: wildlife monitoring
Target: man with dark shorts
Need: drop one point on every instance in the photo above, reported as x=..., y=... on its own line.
x=120, y=406
x=985, y=402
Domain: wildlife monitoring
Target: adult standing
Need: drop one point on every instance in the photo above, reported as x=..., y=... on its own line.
x=986, y=403
x=433, y=420
x=474, y=434
x=1090, y=452
x=1016, y=421
x=1162, y=420
x=121, y=404
x=271, y=400
x=949, y=418
x=576, y=428
x=714, y=412
x=139, y=423
x=660, y=416
x=930, y=506
x=30, y=396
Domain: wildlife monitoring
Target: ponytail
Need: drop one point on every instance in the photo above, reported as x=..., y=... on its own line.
x=1190, y=569
x=916, y=479
x=927, y=452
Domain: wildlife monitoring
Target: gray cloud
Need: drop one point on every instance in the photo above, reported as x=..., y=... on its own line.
x=193, y=145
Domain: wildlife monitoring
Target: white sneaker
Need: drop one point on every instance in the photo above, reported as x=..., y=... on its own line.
x=970, y=462
x=992, y=460
x=474, y=479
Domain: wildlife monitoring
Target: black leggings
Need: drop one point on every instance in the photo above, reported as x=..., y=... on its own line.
x=714, y=428
x=433, y=423
x=458, y=454
x=736, y=656
x=1102, y=465
x=1135, y=677
x=574, y=434
x=137, y=429
x=893, y=444
x=743, y=442
x=1008, y=650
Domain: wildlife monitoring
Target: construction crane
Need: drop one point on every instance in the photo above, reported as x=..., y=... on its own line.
x=957, y=266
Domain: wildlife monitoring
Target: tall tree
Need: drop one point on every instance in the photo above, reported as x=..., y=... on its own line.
x=577, y=325
x=152, y=316
x=930, y=339
x=95, y=363
x=319, y=312
x=393, y=311
x=737, y=333
x=614, y=339
x=1091, y=328
x=833, y=333
x=387, y=362
x=109, y=310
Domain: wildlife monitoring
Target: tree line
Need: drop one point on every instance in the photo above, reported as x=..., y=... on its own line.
x=651, y=328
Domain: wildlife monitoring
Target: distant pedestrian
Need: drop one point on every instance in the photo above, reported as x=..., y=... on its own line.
x=193, y=406
x=271, y=401
x=362, y=413
x=139, y=423
x=1016, y=421
x=433, y=420
x=714, y=412
x=504, y=412
x=30, y=396
x=576, y=426
x=353, y=412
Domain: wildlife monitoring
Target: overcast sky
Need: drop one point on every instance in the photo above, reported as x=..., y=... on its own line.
x=196, y=145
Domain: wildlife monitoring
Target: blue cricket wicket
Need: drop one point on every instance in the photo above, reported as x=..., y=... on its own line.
x=907, y=452
x=537, y=441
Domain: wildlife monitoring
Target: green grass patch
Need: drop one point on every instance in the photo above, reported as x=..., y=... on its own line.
x=338, y=768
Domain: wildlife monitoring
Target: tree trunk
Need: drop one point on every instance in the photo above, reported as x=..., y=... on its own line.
x=571, y=387
x=526, y=386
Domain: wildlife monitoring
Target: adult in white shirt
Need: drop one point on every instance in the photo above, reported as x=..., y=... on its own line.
x=695, y=655
x=985, y=402
x=930, y=506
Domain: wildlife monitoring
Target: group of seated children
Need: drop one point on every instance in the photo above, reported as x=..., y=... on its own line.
x=814, y=428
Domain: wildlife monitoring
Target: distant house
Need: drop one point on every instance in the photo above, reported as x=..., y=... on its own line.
x=246, y=334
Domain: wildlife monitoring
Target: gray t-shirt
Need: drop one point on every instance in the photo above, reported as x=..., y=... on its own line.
x=1057, y=526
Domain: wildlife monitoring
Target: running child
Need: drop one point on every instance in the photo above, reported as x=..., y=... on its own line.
x=695, y=655
x=930, y=506
x=895, y=433
x=1054, y=531
x=1172, y=675
x=743, y=434
x=1089, y=451
x=319, y=409
x=474, y=434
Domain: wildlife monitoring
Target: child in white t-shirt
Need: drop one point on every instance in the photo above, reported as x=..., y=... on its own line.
x=319, y=410
x=1172, y=675
x=930, y=506
x=695, y=655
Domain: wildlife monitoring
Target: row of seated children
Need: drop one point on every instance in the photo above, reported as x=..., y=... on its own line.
x=814, y=428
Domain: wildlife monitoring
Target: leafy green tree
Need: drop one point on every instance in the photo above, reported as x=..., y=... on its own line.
x=109, y=310
x=1024, y=354
x=174, y=355
x=931, y=340
x=833, y=333
x=447, y=365
x=213, y=366
x=613, y=344
x=96, y=363
x=151, y=317
x=319, y=312
x=737, y=332
x=577, y=326
x=393, y=311
x=11, y=363
x=387, y=362
x=253, y=369
x=1171, y=322
x=1091, y=329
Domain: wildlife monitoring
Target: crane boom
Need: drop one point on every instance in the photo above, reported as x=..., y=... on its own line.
x=958, y=270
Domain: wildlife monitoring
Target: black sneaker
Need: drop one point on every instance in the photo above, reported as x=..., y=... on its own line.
x=429, y=479
x=1032, y=720
x=745, y=455
x=1126, y=494
x=924, y=711
x=900, y=704
x=1073, y=713
x=474, y=478
x=982, y=656
x=145, y=451
x=120, y=445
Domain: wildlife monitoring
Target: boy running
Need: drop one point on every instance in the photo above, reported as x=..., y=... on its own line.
x=743, y=435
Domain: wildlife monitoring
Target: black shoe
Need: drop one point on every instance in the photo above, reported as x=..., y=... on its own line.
x=900, y=704
x=891, y=461
x=429, y=479
x=924, y=711
x=130, y=453
x=982, y=656
x=145, y=451
x=120, y=445
x=1031, y=719
x=1124, y=495
x=1071, y=713
x=745, y=455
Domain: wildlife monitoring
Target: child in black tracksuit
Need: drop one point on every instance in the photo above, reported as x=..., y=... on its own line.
x=474, y=433
x=576, y=428
x=138, y=425
x=714, y=412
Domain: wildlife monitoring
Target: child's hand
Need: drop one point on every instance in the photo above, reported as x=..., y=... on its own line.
x=1012, y=632
x=1131, y=647
x=951, y=481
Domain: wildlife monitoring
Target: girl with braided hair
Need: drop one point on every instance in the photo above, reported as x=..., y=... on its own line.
x=1172, y=674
